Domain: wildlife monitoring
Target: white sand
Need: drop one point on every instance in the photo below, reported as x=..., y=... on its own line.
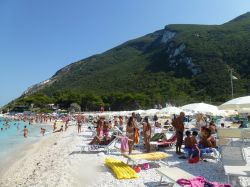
x=56, y=161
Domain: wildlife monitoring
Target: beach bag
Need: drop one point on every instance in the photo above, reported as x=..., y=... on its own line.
x=146, y=166
x=194, y=160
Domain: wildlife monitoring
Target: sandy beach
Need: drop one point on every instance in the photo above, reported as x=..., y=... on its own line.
x=57, y=161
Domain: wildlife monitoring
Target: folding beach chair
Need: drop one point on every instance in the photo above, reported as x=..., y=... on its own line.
x=92, y=129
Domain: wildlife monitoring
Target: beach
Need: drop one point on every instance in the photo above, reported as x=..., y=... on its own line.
x=56, y=160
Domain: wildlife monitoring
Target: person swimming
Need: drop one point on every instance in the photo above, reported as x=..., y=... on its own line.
x=59, y=130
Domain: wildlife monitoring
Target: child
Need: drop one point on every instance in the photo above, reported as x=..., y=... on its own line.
x=195, y=155
x=188, y=142
x=194, y=137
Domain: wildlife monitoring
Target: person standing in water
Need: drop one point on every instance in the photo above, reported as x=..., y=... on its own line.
x=25, y=132
x=43, y=131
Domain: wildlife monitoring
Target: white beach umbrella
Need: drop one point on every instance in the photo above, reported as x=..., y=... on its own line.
x=243, y=110
x=170, y=110
x=236, y=104
x=151, y=111
x=139, y=111
x=201, y=108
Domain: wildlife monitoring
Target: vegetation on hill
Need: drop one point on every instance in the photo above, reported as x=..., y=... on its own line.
x=179, y=64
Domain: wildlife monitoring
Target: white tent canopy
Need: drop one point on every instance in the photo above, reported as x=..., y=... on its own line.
x=240, y=103
x=201, y=108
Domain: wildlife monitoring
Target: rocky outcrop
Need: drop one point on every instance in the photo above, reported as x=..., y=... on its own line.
x=167, y=36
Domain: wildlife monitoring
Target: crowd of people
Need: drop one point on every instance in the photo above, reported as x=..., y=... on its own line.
x=123, y=127
x=193, y=142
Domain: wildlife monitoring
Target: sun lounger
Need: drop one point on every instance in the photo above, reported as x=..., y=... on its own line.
x=245, y=135
x=172, y=174
x=105, y=148
x=165, y=143
x=226, y=135
x=92, y=129
x=155, y=156
x=234, y=161
x=229, y=133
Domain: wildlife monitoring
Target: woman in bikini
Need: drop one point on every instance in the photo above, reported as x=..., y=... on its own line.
x=147, y=133
x=130, y=132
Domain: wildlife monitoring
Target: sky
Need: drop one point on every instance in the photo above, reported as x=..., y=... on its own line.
x=37, y=38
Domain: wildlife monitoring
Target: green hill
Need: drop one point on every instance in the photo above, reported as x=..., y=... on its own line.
x=179, y=64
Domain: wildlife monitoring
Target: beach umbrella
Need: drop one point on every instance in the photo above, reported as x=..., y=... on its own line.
x=201, y=108
x=139, y=111
x=240, y=103
x=243, y=110
x=170, y=110
x=150, y=112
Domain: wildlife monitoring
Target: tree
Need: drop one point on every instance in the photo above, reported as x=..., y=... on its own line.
x=74, y=107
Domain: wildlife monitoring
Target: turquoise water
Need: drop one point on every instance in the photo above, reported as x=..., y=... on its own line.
x=11, y=138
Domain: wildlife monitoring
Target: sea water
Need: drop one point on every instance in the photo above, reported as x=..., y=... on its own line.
x=12, y=139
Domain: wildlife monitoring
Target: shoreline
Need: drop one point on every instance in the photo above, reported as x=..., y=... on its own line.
x=17, y=154
x=47, y=162
x=18, y=150
x=16, y=163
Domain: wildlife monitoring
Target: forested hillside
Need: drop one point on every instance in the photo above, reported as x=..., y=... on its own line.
x=179, y=64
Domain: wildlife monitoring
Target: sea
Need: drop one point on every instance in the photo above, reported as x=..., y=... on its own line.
x=12, y=139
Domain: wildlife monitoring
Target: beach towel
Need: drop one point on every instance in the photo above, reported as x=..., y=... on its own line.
x=137, y=136
x=124, y=144
x=158, y=136
x=200, y=182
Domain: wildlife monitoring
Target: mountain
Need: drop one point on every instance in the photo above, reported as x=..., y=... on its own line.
x=178, y=64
